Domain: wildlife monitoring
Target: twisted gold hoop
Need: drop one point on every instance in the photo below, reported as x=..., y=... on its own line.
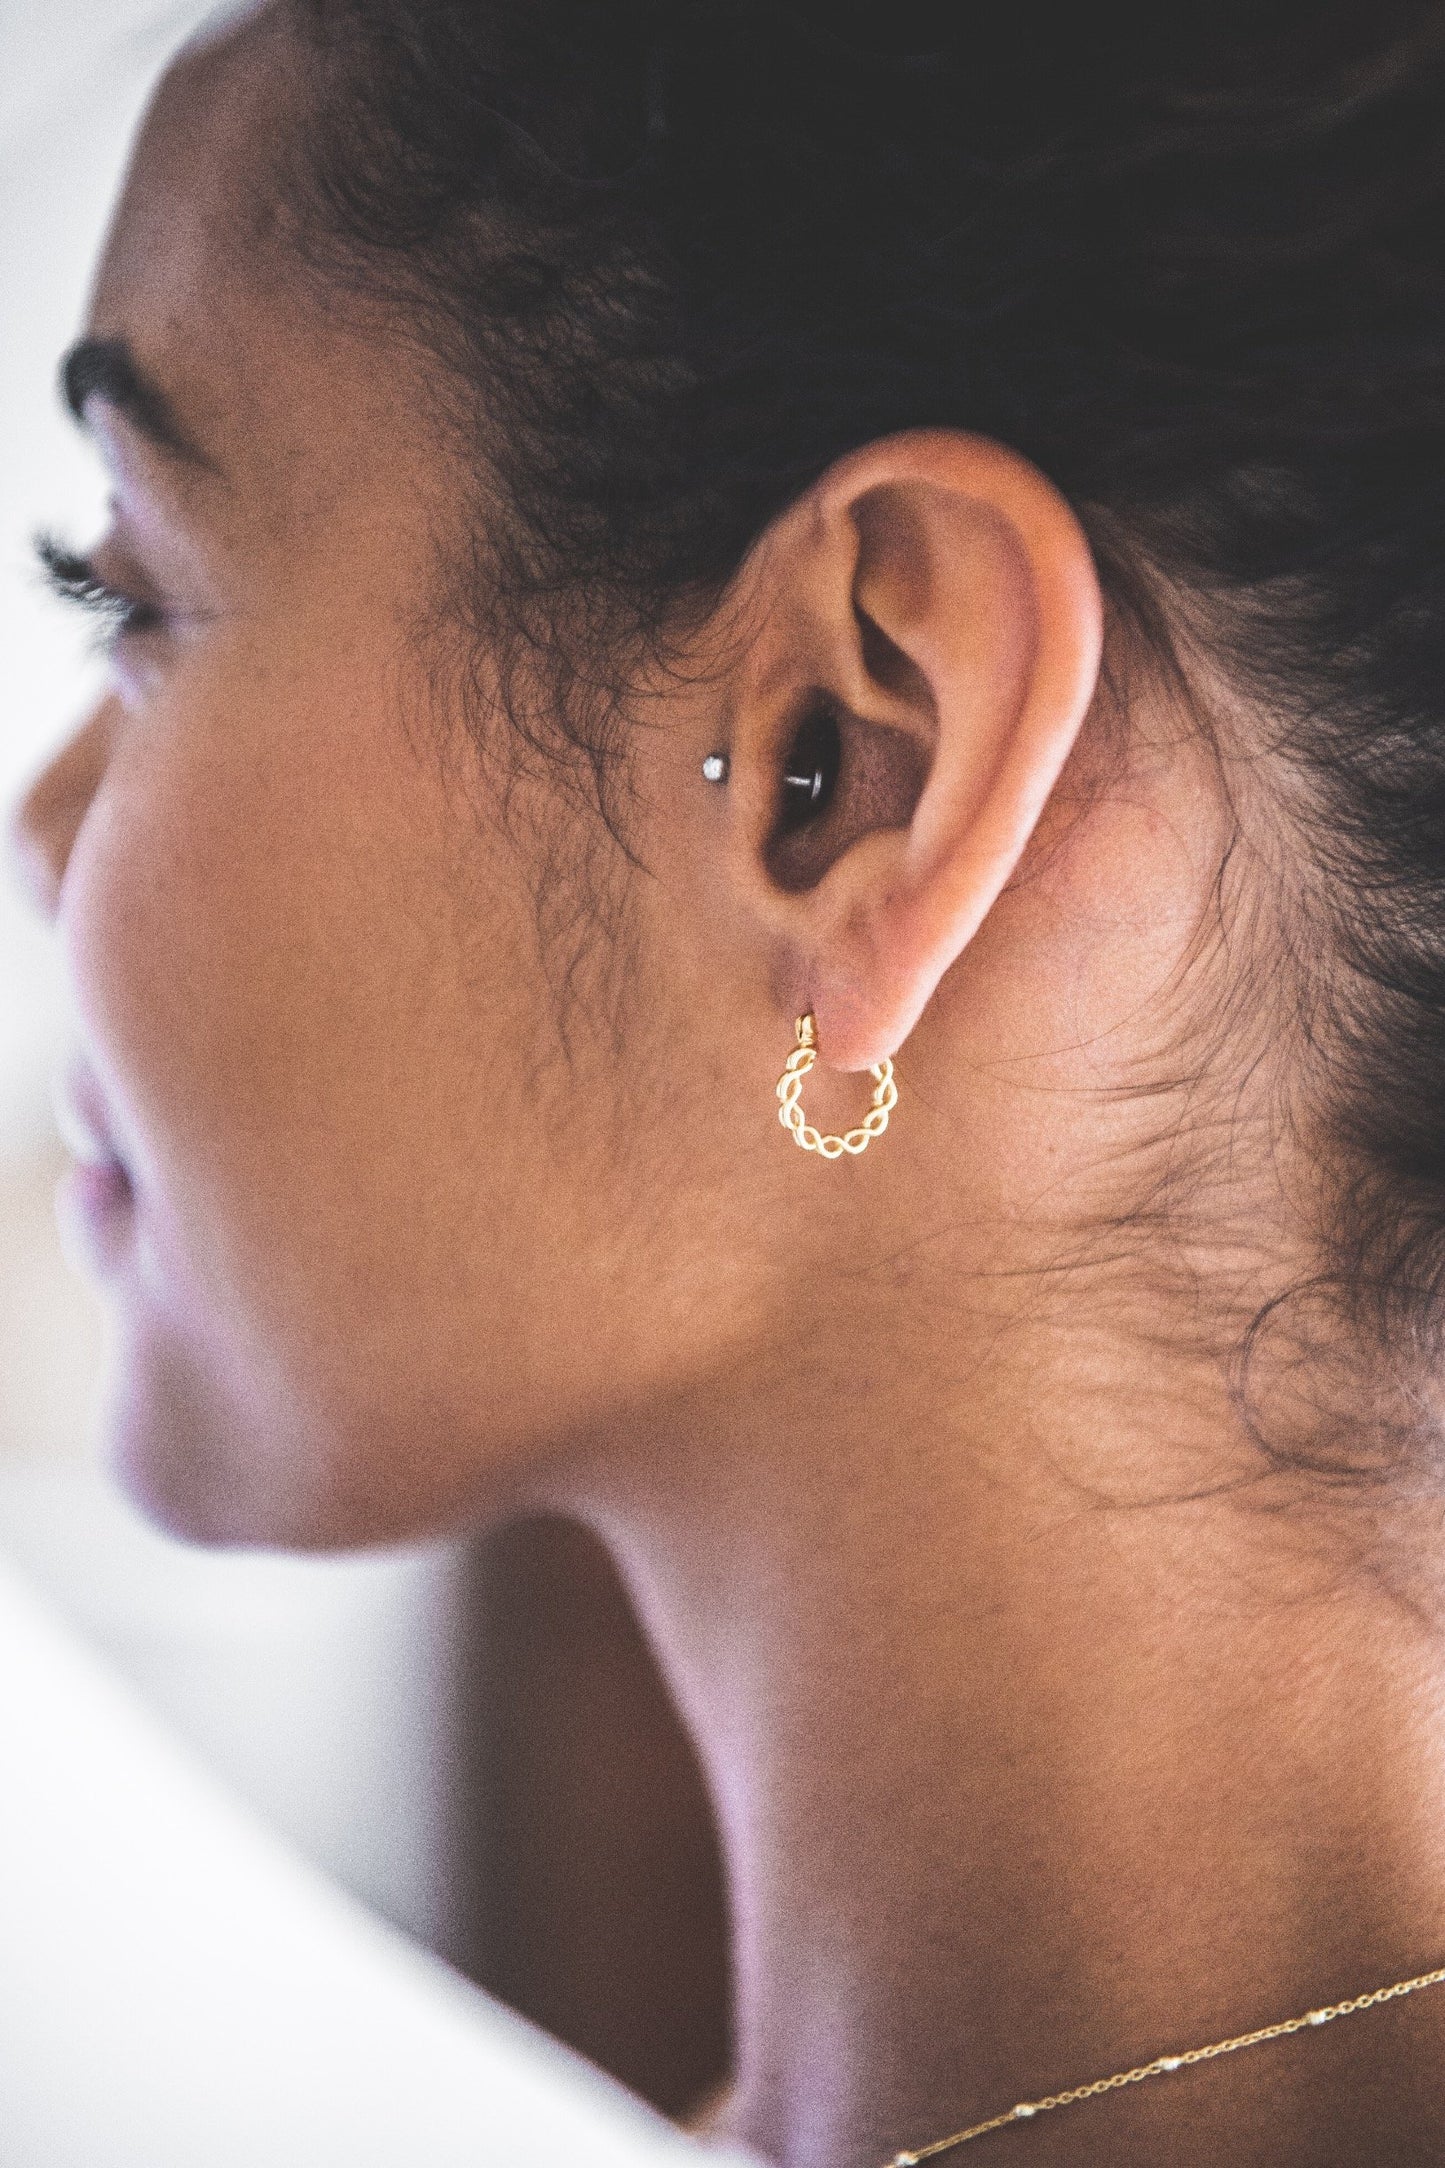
x=790, y=1091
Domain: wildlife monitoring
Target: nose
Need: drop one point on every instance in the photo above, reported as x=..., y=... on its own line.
x=47, y=820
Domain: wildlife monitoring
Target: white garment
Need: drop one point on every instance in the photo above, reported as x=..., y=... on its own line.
x=177, y=1990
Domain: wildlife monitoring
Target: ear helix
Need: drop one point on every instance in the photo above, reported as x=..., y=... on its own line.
x=790, y=1090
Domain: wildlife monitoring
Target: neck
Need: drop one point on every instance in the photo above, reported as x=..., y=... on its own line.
x=1023, y=1780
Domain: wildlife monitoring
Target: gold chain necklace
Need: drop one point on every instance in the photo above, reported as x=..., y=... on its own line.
x=1163, y=2065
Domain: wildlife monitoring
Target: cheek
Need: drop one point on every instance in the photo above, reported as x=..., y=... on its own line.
x=278, y=988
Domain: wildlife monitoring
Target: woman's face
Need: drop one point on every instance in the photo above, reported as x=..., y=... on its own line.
x=374, y=1238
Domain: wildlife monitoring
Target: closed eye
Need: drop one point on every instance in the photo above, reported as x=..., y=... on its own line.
x=74, y=579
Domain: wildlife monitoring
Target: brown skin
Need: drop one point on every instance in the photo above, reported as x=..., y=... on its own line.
x=1035, y=1751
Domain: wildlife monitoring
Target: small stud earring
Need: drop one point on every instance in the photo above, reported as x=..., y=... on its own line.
x=715, y=768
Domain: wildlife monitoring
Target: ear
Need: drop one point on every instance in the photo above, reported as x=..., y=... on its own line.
x=929, y=636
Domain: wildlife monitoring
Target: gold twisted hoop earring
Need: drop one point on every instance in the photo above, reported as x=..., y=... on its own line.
x=790, y=1091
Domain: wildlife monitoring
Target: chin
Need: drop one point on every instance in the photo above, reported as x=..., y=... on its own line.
x=189, y=1489
x=218, y=1467
x=204, y=1467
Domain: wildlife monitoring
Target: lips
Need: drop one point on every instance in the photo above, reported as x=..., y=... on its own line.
x=82, y=1119
x=96, y=1197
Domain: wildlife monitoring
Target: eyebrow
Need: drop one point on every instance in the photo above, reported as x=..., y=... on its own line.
x=107, y=369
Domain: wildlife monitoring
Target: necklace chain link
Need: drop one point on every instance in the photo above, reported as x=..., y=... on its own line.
x=1165, y=2065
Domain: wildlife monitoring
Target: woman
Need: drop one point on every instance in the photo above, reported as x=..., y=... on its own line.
x=661, y=551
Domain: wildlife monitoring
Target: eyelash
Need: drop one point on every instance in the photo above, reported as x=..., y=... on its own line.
x=75, y=579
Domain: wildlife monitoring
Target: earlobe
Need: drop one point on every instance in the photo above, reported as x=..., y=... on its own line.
x=955, y=626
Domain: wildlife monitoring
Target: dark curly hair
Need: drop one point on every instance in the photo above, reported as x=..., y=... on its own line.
x=675, y=257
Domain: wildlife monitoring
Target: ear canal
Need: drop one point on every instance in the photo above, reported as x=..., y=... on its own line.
x=810, y=770
x=845, y=778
